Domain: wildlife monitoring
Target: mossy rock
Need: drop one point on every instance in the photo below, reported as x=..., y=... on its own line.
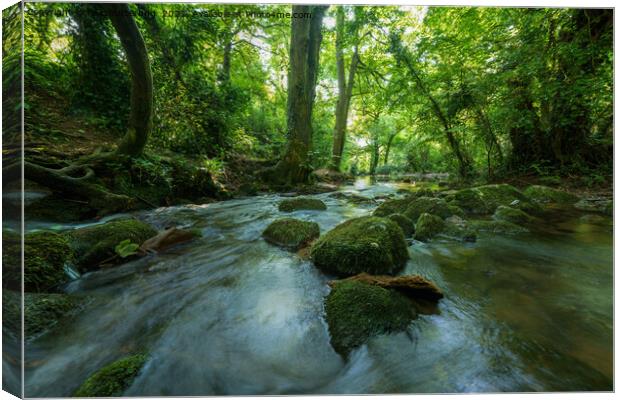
x=430, y=205
x=95, y=244
x=41, y=311
x=357, y=311
x=600, y=205
x=45, y=255
x=545, y=194
x=113, y=379
x=501, y=227
x=301, y=203
x=457, y=228
x=291, y=233
x=406, y=224
x=504, y=213
x=392, y=206
x=428, y=226
x=366, y=244
x=485, y=199
x=456, y=210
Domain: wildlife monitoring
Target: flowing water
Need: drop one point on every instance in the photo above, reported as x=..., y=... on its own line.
x=231, y=314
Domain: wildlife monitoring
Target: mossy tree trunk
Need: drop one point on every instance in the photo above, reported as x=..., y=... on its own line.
x=304, y=64
x=140, y=115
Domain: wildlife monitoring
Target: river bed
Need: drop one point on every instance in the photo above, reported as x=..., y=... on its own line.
x=229, y=314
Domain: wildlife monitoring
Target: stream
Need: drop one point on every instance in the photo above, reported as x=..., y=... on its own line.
x=229, y=314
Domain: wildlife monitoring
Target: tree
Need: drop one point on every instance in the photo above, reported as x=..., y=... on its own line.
x=345, y=87
x=140, y=114
x=304, y=47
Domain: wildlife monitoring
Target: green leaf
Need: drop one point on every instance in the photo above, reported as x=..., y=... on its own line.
x=126, y=248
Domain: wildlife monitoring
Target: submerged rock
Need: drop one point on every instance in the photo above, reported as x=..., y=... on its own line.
x=504, y=213
x=406, y=224
x=596, y=204
x=113, y=379
x=353, y=198
x=430, y=205
x=502, y=227
x=428, y=226
x=45, y=255
x=412, y=286
x=356, y=311
x=301, y=203
x=366, y=244
x=545, y=194
x=95, y=244
x=291, y=233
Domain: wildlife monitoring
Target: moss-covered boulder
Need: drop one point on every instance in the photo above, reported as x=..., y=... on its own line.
x=545, y=194
x=457, y=228
x=356, y=311
x=291, y=233
x=301, y=203
x=41, y=311
x=504, y=213
x=95, y=244
x=501, y=227
x=430, y=205
x=392, y=206
x=113, y=379
x=485, y=199
x=45, y=255
x=428, y=226
x=366, y=244
x=406, y=224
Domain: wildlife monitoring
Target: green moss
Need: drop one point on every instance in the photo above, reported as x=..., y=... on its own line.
x=356, y=311
x=456, y=210
x=94, y=244
x=367, y=244
x=45, y=255
x=501, y=227
x=57, y=209
x=291, y=233
x=113, y=379
x=428, y=226
x=301, y=203
x=41, y=311
x=544, y=194
x=406, y=224
x=485, y=199
x=392, y=206
x=504, y=213
x=430, y=205
x=457, y=228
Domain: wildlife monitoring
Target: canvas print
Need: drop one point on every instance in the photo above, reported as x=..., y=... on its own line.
x=271, y=199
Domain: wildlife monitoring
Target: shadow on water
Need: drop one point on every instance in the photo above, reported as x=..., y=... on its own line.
x=230, y=314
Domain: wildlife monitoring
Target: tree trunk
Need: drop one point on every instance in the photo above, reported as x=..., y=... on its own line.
x=304, y=64
x=140, y=115
x=345, y=91
x=224, y=75
x=464, y=163
x=386, y=157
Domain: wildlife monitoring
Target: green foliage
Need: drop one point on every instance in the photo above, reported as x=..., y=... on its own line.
x=357, y=311
x=366, y=244
x=113, y=379
x=126, y=248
